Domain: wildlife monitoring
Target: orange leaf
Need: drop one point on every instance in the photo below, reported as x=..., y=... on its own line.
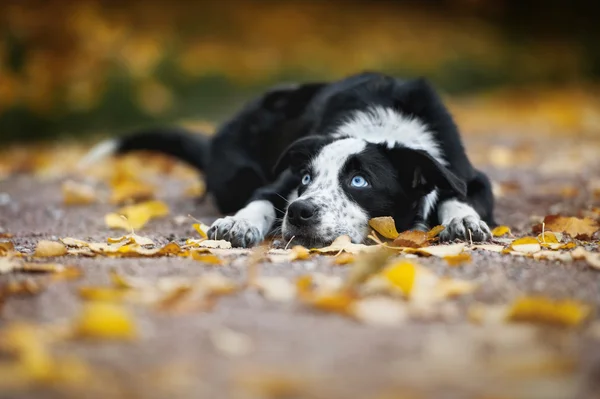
x=412, y=239
x=434, y=232
x=206, y=258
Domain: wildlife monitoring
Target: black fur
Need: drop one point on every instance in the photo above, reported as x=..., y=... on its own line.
x=261, y=152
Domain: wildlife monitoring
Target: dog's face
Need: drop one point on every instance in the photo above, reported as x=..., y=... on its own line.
x=347, y=181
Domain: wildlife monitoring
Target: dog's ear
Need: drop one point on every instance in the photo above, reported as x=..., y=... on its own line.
x=297, y=155
x=291, y=100
x=420, y=173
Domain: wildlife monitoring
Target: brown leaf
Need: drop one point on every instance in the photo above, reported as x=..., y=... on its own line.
x=412, y=239
x=47, y=248
x=6, y=247
x=435, y=231
x=385, y=226
x=579, y=228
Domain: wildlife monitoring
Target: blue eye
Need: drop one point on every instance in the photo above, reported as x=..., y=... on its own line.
x=306, y=179
x=359, y=181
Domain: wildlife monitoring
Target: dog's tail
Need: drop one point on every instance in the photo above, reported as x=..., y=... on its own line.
x=180, y=143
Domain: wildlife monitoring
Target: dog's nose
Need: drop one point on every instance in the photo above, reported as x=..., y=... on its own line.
x=302, y=213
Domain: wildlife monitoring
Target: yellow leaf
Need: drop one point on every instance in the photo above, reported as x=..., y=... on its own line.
x=196, y=189
x=338, y=302
x=46, y=248
x=344, y=243
x=434, y=232
x=500, y=231
x=74, y=242
x=131, y=190
x=526, y=245
x=548, y=237
x=439, y=250
x=456, y=260
x=8, y=265
x=103, y=320
x=77, y=193
x=109, y=294
x=136, y=215
x=343, y=259
x=385, y=226
x=545, y=310
x=202, y=257
x=401, y=275
x=299, y=253
x=592, y=258
x=131, y=239
x=199, y=228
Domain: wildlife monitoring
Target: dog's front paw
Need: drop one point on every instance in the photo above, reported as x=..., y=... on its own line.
x=458, y=229
x=240, y=232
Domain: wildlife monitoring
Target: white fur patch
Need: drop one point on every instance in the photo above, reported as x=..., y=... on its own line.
x=428, y=205
x=455, y=209
x=100, y=151
x=384, y=125
x=339, y=215
x=260, y=214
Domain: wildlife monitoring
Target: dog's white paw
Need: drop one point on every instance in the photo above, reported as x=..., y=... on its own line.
x=459, y=227
x=239, y=232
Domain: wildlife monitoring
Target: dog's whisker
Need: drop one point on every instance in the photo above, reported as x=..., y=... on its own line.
x=283, y=198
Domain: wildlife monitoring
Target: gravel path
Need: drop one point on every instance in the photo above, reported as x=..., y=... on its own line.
x=298, y=352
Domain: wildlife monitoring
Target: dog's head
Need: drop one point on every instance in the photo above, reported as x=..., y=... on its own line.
x=346, y=181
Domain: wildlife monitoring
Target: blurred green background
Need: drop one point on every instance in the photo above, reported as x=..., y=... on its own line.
x=89, y=66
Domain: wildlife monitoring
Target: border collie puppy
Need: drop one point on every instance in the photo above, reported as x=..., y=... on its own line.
x=319, y=160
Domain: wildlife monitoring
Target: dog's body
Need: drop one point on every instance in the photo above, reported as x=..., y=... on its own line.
x=324, y=158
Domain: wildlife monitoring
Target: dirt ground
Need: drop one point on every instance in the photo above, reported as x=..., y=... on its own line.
x=299, y=352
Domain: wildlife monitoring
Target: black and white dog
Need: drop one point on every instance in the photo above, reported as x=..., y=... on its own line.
x=319, y=160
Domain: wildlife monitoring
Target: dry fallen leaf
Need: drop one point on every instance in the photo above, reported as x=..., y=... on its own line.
x=457, y=260
x=104, y=320
x=412, y=239
x=213, y=244
x=6, y=247
x=343, y=259
x=136, y=216
x=440, y=251
x=8, y=265
x=201, y=229
x=345, y=244
x=276, y=288
x=379, y=311
x=579, y=228
x=78, y=193
x=526, y=245
x=545, y=310
x=500, y=231
x=592, y=258
x=131, y=191
x=47, y=248
x=385, y=226
x=205, y=258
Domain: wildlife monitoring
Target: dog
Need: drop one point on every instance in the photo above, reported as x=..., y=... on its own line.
x=315, y=161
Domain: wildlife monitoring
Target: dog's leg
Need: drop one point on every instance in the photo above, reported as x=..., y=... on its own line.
x=250, y=225
x=461, y=221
